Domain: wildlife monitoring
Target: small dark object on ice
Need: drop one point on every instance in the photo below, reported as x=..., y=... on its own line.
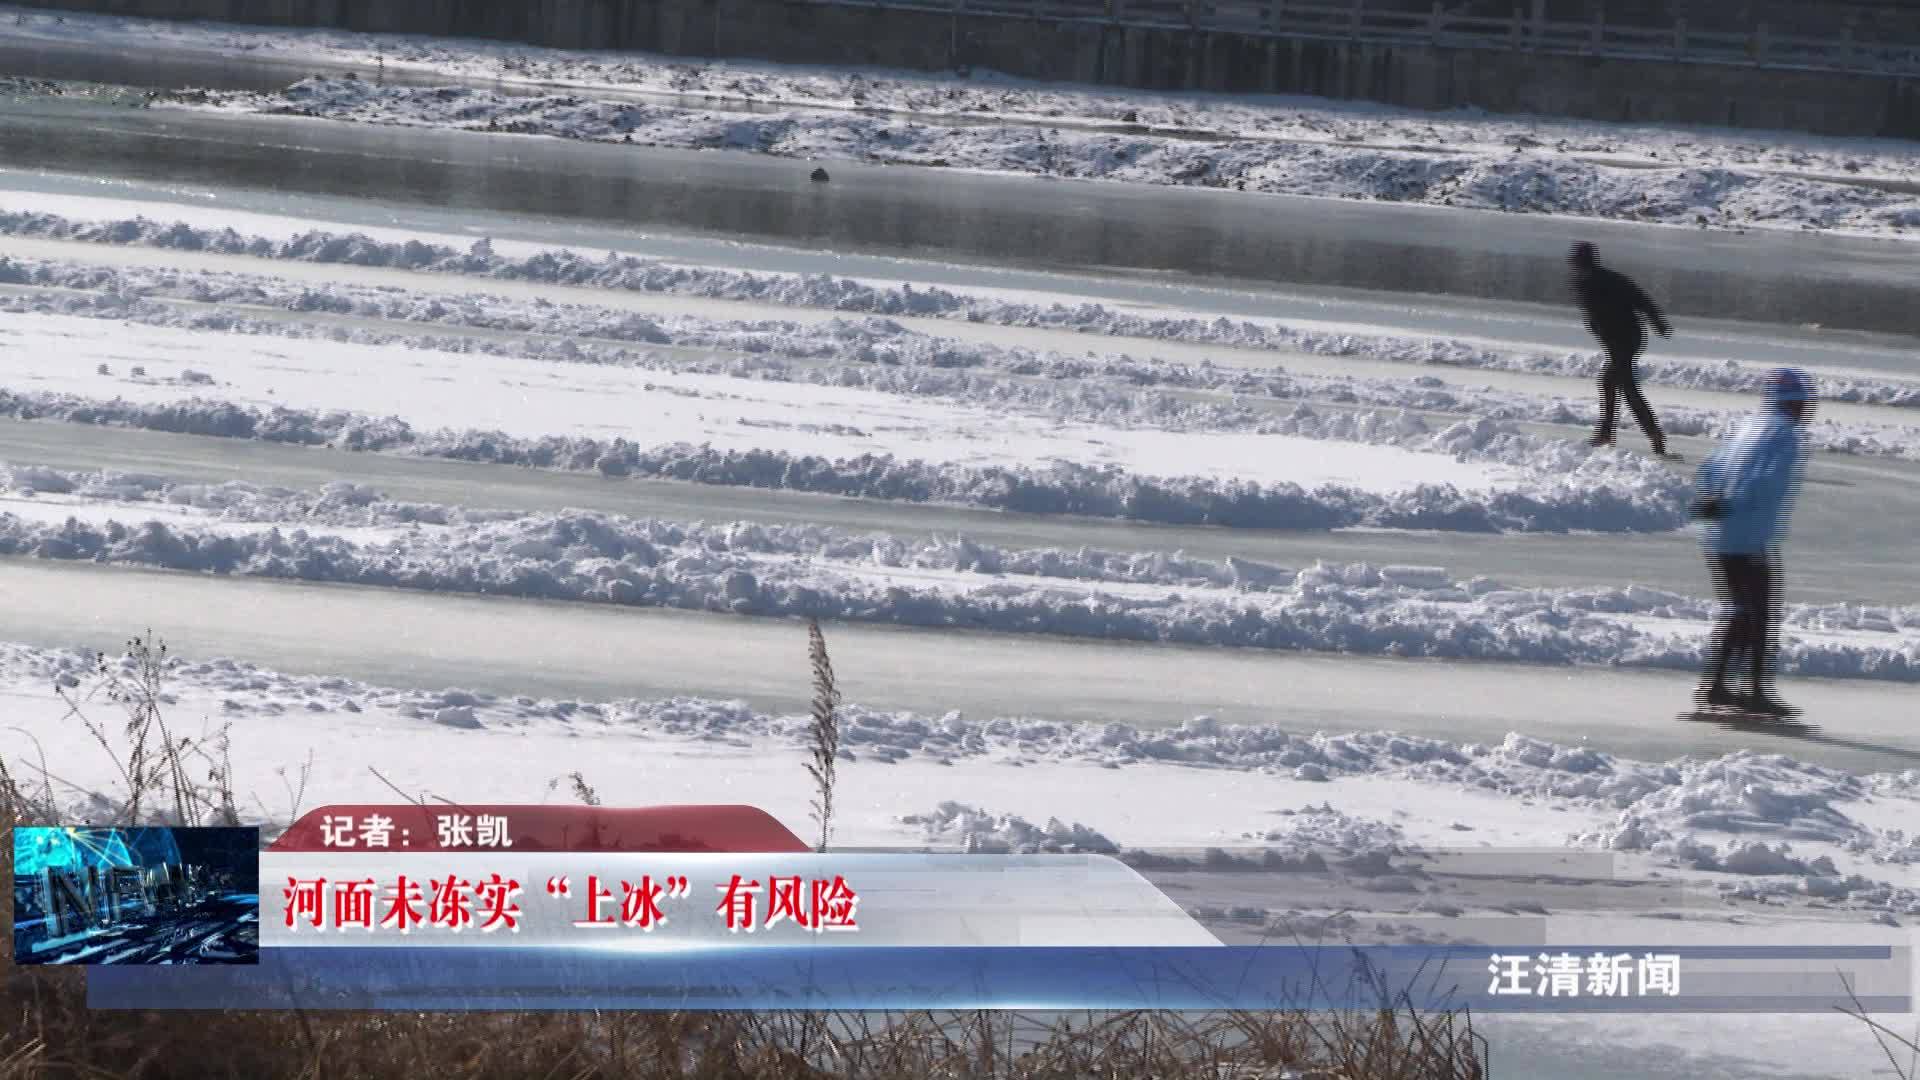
x=820, y=176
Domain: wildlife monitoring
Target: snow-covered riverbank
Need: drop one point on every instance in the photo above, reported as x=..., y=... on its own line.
x=1682, y=176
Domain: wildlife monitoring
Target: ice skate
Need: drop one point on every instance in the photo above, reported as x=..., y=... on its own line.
x=1763, y=704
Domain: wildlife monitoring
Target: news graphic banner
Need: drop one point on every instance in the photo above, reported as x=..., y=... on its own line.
x=439, y=907
x=135, y=896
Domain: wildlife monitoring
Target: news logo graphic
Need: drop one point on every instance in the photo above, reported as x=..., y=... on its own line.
x=136, y=896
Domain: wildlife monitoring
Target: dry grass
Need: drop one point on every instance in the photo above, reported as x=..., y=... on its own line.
x=164, y=777
x=50, y=1033
x=1901, y=1051
x=825, y=730
x=46, y=1030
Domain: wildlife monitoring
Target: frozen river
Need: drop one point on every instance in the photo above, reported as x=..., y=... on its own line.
x=1328, y=262
x=1367, y=267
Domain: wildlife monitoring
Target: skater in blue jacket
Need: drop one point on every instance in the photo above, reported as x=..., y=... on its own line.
x=1745, y=494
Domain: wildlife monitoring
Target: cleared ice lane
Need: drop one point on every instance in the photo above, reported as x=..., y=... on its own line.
x=503, y=646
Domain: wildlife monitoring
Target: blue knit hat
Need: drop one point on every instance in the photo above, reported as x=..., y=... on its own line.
x=1788, y=384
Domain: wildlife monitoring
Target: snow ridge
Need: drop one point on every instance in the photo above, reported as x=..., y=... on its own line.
x=1573, y=490
x=977, y=831
x=623, y=272
x=873, y=352
x=343, y=504
x=819, y=572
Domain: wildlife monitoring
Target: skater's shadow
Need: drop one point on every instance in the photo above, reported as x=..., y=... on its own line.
x=1798, y=729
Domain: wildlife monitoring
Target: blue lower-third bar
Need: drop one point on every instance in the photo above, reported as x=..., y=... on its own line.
x=753, y=977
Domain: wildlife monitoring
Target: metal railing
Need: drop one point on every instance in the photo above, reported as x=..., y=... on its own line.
x=1356, y=20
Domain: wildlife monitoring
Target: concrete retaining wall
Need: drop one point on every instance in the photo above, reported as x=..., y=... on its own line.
x=1159, y=59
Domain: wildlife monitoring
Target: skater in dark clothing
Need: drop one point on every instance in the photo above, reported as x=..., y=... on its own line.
x=1614, y=306
x=1746, y=491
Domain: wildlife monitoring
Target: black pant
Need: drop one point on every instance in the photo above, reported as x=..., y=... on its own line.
x=1617, y=380
x=1750, y=584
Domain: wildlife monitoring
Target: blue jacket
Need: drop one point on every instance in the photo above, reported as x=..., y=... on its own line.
x=1756, y=471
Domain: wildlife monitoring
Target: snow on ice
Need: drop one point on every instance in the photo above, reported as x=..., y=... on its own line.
x=1078, y=450
x=346, y=533
x=956, y=825
x=875, y=352
x=1751, y=827
x=635, y=274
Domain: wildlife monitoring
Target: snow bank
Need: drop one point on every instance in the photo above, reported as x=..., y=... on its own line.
x=953, y=824
x=214, y=418
x=1752, y=794
x=1523, y=177
x=875, y=353
x=630, y=273
x=943, y=98
x=1571, y=489
x=823, y=573
x=1761, y=803
x=1319, y=830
